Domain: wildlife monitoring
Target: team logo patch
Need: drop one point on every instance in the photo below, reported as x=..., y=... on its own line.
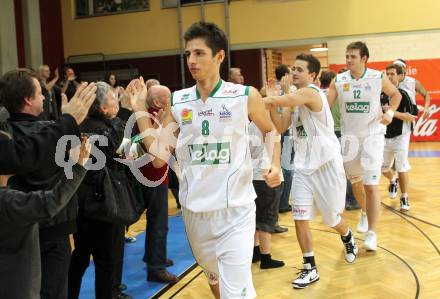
x=210, y=153
x=301, y=132
x=357, y=107
x=367, y=87
x=185, y=96
x=187, y=116
x=299, y=211
x=225, y=114
x=206, y=113
x=346, y=87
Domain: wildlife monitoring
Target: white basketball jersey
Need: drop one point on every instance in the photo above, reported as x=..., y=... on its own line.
x=359, y=103
x=314, y=138
x=409, y=85
x=213, y=148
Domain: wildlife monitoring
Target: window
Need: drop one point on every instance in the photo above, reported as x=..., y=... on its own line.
x=91, y=8
x=174, y=3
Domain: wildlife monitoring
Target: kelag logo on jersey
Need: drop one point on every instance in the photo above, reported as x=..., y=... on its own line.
x=225, y=114
x=210, y=153
x=357, y=107
x=187, y=116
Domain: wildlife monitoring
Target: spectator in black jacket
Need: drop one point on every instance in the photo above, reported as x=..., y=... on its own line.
x=20, y=273
x=21, y=95
x=29, y=153
x=96, y=237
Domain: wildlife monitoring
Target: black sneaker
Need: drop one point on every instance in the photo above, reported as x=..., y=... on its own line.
x=392, y=189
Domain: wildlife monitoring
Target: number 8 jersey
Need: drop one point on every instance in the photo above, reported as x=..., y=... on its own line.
x=359, y=103
x=212, y=147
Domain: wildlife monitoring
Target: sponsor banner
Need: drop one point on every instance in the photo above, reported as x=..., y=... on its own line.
x=426, y=71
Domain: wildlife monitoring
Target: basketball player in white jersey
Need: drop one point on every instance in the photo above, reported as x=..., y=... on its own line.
x=363, y=127
x=412, y=87
x=319, y=181
x=216, y=191
x=397, y=136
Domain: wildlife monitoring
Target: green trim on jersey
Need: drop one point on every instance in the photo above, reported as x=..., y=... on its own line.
x=313, y=86
x=363, y=75
x=172, y=94
x=246, y=92
x=185, y=102
x=216, y=88
x=381, y=76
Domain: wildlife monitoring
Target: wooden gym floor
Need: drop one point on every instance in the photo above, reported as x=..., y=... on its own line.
x=406, y=264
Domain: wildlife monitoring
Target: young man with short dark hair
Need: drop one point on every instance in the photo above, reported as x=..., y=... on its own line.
x=397, y=138
x=319, y=179
x=216, y=192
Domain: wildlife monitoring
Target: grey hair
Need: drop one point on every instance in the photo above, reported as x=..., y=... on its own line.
x=102, y=88
x=232, y=70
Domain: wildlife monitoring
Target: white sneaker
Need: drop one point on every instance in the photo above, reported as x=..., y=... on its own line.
x=404, y=204
x=307, y=276
x=370, y=242
x=362, y=226
x=350, y=249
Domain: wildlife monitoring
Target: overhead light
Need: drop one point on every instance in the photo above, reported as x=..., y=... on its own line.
x=319, y=48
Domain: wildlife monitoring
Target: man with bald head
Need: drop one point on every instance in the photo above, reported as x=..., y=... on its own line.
x=156, y=202
x=151, y=82
x=235, y=75
x=158, y=97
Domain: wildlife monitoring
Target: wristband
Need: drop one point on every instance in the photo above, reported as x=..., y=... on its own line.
x=390, y=113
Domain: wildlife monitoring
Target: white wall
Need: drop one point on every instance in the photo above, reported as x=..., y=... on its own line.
x=387, y=47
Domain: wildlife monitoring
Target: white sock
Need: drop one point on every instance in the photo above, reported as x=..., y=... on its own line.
x=405, y=195
x=308, y=254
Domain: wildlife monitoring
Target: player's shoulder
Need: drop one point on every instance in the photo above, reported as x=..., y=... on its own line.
x=230, y=90
x=373, y=74
x=343, y=77
x=183, y=95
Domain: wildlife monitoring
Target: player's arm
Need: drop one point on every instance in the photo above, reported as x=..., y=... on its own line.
x=259, y=115
x=157, y=141
x=422, y=91
x=332, y=94
x=404, y=116
x=394, y=97
x=302, y=96
x=281, y=118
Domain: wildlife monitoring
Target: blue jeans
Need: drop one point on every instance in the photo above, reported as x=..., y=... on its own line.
x=156, y=202
x=55, y=260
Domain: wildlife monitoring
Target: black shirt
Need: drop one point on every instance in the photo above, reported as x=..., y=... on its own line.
x=394, y=129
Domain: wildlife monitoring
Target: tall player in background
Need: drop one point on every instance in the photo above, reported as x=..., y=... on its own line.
x=363, y=127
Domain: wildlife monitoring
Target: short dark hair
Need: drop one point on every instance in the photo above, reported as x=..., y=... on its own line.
x=313, y=64
x=326, y=78
x=361, y=46
x=281, y=71
x=398, y=68
x=214, y=37
x=15, y=86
